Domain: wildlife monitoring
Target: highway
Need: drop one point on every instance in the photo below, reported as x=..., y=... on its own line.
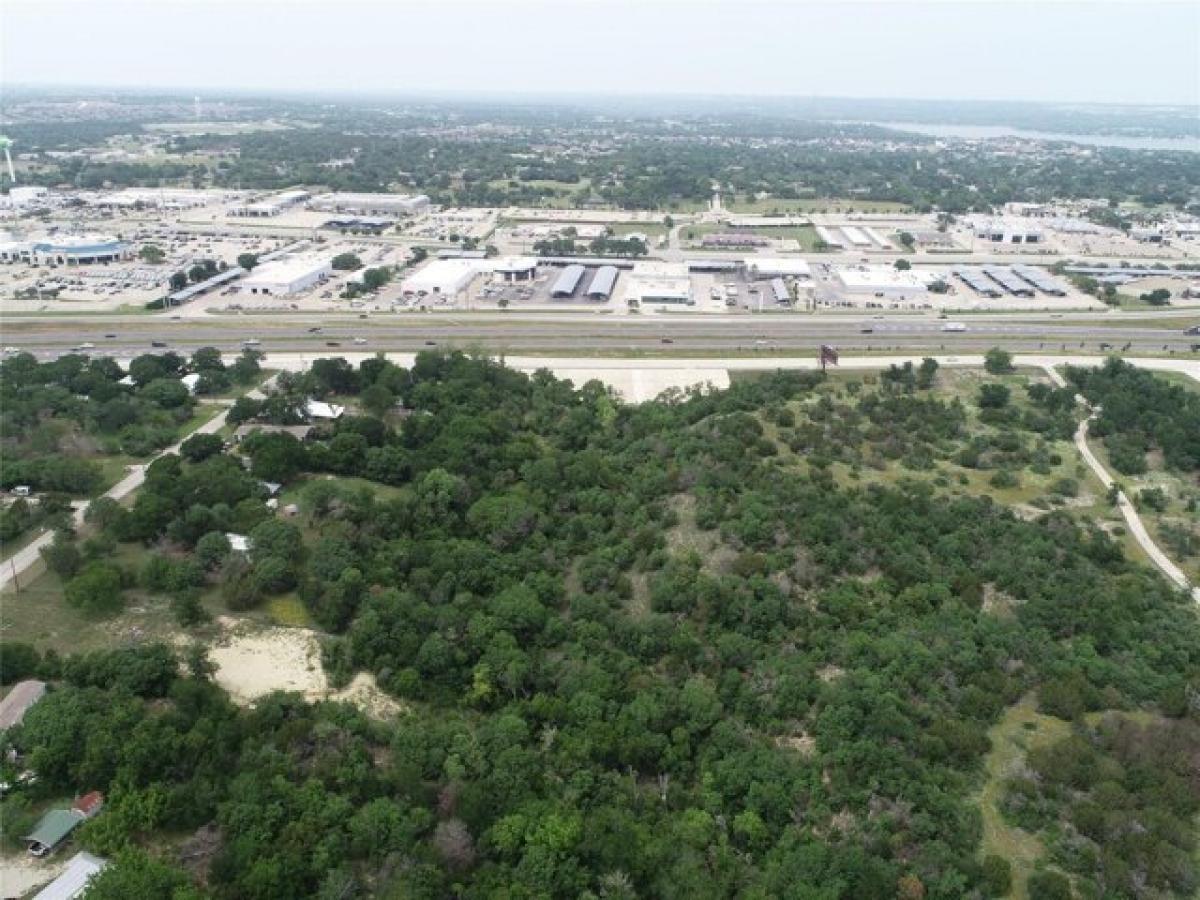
x=534, y=332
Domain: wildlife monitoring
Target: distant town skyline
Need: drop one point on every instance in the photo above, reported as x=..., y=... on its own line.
x=1080, y=52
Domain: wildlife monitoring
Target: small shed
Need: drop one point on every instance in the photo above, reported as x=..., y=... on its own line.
x=89, y=804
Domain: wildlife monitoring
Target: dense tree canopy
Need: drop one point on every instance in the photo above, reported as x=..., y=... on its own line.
x=681, y=649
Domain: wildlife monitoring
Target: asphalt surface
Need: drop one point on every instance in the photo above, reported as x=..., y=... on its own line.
x=586, y=334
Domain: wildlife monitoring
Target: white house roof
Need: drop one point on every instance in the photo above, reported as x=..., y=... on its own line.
x=318, y=409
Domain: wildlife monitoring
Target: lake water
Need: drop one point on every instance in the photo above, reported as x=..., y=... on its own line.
x=975, y=132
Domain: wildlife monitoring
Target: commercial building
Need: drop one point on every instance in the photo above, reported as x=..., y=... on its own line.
x=974, y=278
x=289, y=275
x=1041, y=280
x=270, y=206
x=155, y=198
x=369, y=224
x=882, y=281
x=779, y=290
x=567, y=282
x=856, y=237
x=514, y=268
x=25, y=195
x=66, y=250
x=603, y=283
x=1018, y=287
x=771, y=267
x=827, y=237
x=443, y=277
x=734, y=240
x=1003, y=231
x=653, y=283
x=368, y=204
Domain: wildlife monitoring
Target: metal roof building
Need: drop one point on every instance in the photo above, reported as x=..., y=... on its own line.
x=73, y=881
x=829, y=238
x=603, y=283
x=51, y=830
x=976, y=281
x=780, y=290
x=1040, y=280
x=1007, y=280
x=567, y=282
x=17, y=702
x=185, y=294
x=288, y=275
x=791, y=266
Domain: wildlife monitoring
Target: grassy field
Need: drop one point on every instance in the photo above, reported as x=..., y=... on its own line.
x=1031, y=496
x=1021, y=728
x=1167, y=323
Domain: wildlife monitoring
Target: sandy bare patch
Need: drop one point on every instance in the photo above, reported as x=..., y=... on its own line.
x=254, y=662
x=802, y=743
x=20, y=873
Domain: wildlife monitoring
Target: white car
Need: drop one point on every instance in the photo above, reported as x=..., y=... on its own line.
x=360, y=340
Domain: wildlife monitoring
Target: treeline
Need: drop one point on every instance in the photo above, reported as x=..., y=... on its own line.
x=1140, y=412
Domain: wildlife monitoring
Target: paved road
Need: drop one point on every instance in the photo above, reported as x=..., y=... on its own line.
x=1134, y=521
x=19, y=563
x=590, y=332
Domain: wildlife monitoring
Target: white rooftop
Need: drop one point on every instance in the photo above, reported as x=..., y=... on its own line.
x=288, y=268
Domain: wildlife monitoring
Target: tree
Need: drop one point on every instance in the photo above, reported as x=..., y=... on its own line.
x=96, y=589
x=134, y=873
x=997, y=875
x=347, y=262
x=1157, y=297
x=247, y=260
x=926, y=373
x=212, y=549
x=377, y=399
x=179, y=281
x=993, y=396
x=152, y=254
x=1049, y=886
x=207, y=358
x=998, y=362
x=62, y=557
x=275, y=456
x=906, y=239
x=903, y=265
x=200, y=447
x=18, y=661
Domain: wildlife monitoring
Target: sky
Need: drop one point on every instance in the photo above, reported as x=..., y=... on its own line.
x=1090, y=51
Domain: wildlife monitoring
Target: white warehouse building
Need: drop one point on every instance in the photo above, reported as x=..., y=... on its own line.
x=660, y=282
x=785, y=267
x=1003, y=231
x=368, y=204
x=270, y=206
x=289, y=275
x=446, y=277
x=885, y=281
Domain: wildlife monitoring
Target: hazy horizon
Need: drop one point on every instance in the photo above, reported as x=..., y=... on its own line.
x=1059, y=53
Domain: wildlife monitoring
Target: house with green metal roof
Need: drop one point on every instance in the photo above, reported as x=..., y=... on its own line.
x=52, y=830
